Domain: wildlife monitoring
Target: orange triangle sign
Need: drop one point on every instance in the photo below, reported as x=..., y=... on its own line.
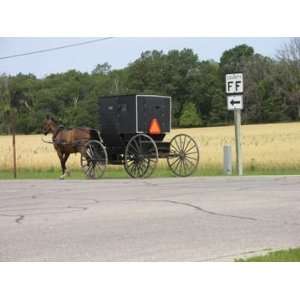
x=154, y=127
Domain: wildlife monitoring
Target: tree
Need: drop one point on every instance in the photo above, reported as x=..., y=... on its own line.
x=170, y=74
x=271, y=92
x=258, y=80
x=261, y=104
x=289, y=69
x=218, y=114
x=232, y=60
x=9, y=112
x=207, y=91
x=189, y=116
x=5, y=104
x=102, y=69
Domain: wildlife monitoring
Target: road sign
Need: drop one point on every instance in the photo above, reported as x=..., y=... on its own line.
x=235, y=102
x=234, y=90
x=234, y=83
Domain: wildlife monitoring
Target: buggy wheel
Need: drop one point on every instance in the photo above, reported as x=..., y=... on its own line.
x=94, y=159
x=184, y=155
x=141, y=156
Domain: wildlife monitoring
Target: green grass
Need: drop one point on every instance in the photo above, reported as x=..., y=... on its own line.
x=120, y=173
x=75, y=174
x=290, y=255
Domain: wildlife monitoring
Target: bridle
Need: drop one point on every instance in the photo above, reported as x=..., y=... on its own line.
x=54, y=134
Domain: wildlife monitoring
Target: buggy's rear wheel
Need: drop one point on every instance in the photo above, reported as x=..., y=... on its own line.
x=141, y=156
x=94, y=159
x=184, y=155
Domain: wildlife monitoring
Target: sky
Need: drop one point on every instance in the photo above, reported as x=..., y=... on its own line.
x=118, y=52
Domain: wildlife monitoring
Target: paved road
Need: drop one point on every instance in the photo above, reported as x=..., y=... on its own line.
x=174, y=219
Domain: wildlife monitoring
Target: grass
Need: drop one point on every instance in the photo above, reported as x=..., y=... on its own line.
x=119, y=172
x=267, y=149
x=290, y=255
x=115, y=172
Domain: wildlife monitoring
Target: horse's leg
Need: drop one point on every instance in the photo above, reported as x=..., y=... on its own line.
x=66, y=156
x=61, y=158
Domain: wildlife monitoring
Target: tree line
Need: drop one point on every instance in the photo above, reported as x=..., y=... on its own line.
x=271, y=92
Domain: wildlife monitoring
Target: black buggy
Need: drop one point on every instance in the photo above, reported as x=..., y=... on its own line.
x=133, y=128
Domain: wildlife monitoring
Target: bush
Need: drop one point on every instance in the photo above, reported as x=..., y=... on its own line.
x=189, y=116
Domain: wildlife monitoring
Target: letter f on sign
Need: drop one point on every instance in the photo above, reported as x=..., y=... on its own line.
x=237, y=85
x=229, y=85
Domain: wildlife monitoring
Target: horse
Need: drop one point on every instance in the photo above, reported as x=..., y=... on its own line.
x=68, y=140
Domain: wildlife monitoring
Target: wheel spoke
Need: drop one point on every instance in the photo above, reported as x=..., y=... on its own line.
x=177, y=164
x=180, y=166
x=134, y=169
x=88, y=153
x=134, y=148
x=144, y=165
x=137, y=146
x=178, y=147
x=191, y=148
x=174, y=150
x=189, y=163
x=92, y=150
x=89, y=169
x=184, y=167
x=193, y=158
x=188, y=154
x=140, y=173
x=183, y=146
x=177, y=159
x=187, y=145
x=130, y=163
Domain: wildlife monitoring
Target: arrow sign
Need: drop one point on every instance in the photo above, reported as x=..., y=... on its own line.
x=235, y=102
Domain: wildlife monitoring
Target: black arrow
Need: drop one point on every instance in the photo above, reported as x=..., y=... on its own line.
x=232, y=102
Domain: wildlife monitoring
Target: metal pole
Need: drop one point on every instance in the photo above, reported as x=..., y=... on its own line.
x=13, y=129
x=227, y=160
x=237, y=124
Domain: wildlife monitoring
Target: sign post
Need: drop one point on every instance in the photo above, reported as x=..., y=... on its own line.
x=237, y=126
x=234, y=91
x=13, y=131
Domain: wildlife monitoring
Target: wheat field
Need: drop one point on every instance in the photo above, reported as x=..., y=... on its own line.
x=267, y=146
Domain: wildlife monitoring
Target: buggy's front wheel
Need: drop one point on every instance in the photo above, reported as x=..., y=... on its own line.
x=141, y=156
x=94, y=159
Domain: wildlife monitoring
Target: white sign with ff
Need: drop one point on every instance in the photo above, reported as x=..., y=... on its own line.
x=234, y=83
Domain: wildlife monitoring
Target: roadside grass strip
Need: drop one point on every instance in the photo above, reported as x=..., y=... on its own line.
x=290, y=255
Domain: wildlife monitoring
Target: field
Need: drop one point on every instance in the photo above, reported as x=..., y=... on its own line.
x=267, y=148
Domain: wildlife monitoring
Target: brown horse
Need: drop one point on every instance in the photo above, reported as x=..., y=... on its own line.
x=67, y=141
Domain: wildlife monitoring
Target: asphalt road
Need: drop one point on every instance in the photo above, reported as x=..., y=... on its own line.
x=170, y=219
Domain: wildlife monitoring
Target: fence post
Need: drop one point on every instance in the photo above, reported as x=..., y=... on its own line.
x=227, y=160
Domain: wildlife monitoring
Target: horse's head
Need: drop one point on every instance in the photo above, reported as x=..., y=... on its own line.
x=49, y=125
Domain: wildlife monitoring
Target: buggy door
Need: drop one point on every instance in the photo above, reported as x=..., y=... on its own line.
x=153, y=107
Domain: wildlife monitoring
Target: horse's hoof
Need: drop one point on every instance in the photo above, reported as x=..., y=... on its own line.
x=62, y=177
